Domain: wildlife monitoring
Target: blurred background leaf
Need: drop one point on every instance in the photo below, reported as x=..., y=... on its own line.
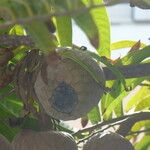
x=116, y=96
x=94, y=115
x=101, y=19
x=86, y=22
x=63, y=30
x=124, y=44
x=139, y=98
x=143, y=144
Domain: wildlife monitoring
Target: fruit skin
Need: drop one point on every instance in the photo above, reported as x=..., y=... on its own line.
x=65, y=89
x=52, y=140
x=4, y=144
x=108, y=141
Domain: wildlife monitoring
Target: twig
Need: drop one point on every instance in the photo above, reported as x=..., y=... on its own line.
x=86, y=138
x=99, y=131
x=138, y=132
x=15, y=41
x=130, y=71
x=130, y=133
x=64, y=13
x=144, y=84
x=45, y=17
x=126, y=126
x=132, y=118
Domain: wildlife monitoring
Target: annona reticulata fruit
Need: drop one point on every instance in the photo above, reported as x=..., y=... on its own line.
x=108, y=141
x=66, y=89
x=52, y=140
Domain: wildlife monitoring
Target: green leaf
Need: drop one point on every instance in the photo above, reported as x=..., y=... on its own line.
x=101, y=19
x=135, y=56
x=85, y=21
x=37, y=29
x=17, y=30
x=117, y=99
x=16, y=9
x=30, y=123
x=20, y=51
x=104, y=60
x=10, y=106
x=5, y=113
x=2, y=21
x=131, y=58
x=124, y=44
x=59, y=5
x=143, y=143
x=147, y=1
x=137, y=98
x=144, y=104
x=43, y=39
x=24, y=9
x=7, y=131
x=104, y=103
x=116, y=90
x=94, y=115
x=63, y=23
x=139, y=125
x=63, y=30
x=117, y=84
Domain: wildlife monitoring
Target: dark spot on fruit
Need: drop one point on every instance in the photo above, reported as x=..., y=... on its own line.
x=64, y=98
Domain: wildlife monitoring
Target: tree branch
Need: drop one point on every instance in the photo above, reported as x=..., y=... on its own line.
x=129, y=71
x=100, y=131
x=123, y=121
x=126, y=126
x=74, y=12
x=144, y=84
x=15, y=41
x=138, y=132
x=46, y=17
